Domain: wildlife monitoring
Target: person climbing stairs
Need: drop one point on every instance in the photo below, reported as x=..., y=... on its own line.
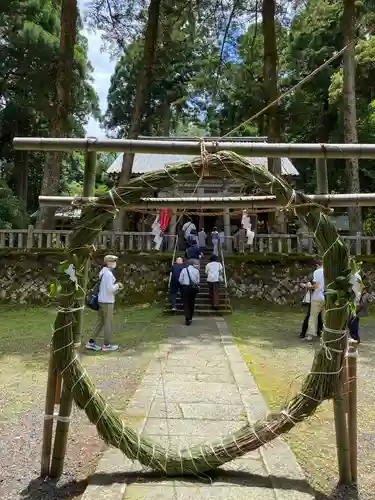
x=202, y=302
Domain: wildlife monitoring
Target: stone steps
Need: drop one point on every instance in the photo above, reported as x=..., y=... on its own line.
x=202, y=302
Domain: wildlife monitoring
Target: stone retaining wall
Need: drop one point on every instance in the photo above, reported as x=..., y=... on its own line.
x=25, y=276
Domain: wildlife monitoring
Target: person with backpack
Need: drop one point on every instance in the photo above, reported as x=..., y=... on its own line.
x=107, y=288
x=189, y=280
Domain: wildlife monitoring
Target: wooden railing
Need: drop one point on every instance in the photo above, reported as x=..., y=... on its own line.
x=32, y=238
x=46, y=239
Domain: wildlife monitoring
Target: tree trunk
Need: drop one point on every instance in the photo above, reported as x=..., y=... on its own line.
x=350, y=111
x=166, y=118
x=272, y=122
x=21, y=164
x=144, y=78
x=58, y=124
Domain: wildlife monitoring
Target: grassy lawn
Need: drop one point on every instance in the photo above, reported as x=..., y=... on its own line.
x=278, y=359
x=25, y=334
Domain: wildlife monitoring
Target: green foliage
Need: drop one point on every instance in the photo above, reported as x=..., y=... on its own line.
x=12, y=214
x=29, y=41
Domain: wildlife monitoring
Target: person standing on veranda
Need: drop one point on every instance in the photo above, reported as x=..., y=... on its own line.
x=317, y=301
x=202, y=240
x=214, y=271
x=189, y=280
x=215, y=241
x=222, y=238
x=108, y=289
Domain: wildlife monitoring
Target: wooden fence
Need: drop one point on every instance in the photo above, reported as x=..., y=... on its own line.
x=31, y=238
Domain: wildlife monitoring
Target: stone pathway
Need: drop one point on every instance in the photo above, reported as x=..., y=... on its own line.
x=197, y=389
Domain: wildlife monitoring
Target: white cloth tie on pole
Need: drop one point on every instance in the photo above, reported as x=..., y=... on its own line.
x=246, y=224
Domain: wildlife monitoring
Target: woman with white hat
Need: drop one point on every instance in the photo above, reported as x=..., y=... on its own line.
x=106, y=298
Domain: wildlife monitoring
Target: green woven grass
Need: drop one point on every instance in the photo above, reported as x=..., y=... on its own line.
x=319, y=385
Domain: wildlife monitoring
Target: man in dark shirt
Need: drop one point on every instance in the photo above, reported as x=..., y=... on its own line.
x=194, y=252
x=174, y=285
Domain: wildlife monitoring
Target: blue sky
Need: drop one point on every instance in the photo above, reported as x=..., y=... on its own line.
x=103, y=69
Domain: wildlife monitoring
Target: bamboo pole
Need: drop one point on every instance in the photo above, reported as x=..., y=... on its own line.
x=189, y=147
x=352, y=409
x=63, y=421
x=58, y=389
x=48, y=418
x=342, y=439
x=330, y=200
x=321, y=175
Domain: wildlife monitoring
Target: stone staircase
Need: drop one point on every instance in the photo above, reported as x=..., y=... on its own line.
x=202, y=302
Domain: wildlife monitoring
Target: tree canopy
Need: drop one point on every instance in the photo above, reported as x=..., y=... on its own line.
x=206, y=76
x=29, y=48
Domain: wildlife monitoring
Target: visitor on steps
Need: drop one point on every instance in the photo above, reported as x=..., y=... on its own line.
x=187, y=228
x=174, y=286
x=192, y=239
x=215, y=241
x=214, y=271
x=189, y=280
x=317, y=301
x=194, y=252
x=107, y=292
x=202, y=240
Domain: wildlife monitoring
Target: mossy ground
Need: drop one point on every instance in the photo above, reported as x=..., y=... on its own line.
x=25, y=336
x=278, y=359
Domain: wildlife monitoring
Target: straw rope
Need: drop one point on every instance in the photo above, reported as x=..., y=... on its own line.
x=319, y=384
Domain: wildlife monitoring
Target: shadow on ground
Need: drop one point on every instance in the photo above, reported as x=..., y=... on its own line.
x=43, y=490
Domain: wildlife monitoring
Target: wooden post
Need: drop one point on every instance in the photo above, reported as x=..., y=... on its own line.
x=358, y=243
x=48, y=418
x=63, y=422
x=352, y=408
x=342, y=439
x=321, y=176
x=29, y=241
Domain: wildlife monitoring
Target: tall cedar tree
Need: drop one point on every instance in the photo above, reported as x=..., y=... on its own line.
x=59, y=122
x=350, y=110
x=270, y=65
x=144, y=79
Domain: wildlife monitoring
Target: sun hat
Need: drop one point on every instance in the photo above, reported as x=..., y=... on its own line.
x=110, y=258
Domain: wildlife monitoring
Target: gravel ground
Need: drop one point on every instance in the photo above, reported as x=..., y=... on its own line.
x=117, y=378
x=23, y=376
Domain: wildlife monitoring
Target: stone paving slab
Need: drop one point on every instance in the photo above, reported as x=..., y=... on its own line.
x=213, y=411
x=196, y=392
x=197, y=389
x=189, y=427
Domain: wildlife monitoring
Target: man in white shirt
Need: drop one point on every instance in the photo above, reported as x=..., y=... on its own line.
x=317, y=301
x=187, y=228
x=106, y=298
x=189, y=280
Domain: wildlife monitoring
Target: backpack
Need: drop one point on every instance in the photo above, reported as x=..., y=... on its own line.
x=192, y=284
x=93, y=298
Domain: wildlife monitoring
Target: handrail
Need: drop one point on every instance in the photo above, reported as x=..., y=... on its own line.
x=223, y=263
x=173, y=259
